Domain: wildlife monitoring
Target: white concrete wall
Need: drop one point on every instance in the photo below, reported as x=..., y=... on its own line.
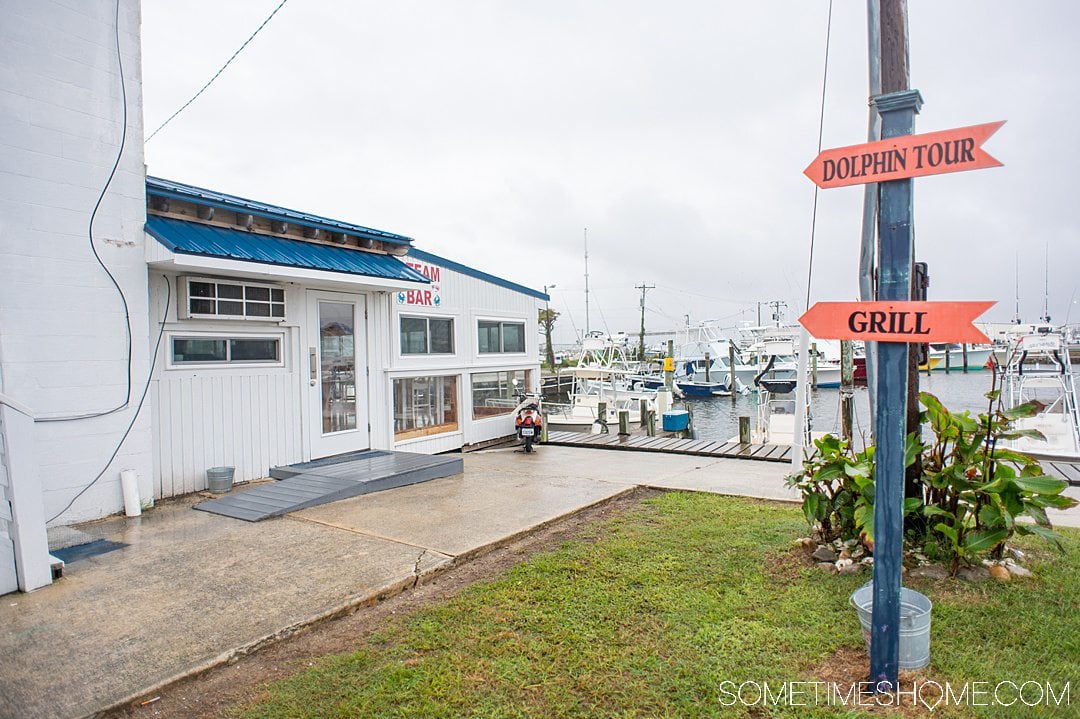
x=467, y=300
x=61, y=321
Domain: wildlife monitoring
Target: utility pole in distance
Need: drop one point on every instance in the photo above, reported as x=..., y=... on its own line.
x=644, y=288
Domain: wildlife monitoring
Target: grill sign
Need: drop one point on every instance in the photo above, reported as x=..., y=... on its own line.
x=896, y=321
x=933, y=153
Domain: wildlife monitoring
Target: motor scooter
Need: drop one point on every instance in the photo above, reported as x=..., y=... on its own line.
x=528, y=421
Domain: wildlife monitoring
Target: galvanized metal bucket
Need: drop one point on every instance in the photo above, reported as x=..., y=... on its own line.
x=914, y=624
x=219, y=479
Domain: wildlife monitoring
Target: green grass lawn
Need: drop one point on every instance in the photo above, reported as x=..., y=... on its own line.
x=652, y=614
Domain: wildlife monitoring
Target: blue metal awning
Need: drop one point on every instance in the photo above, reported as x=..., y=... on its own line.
x=160, y=187
x=192, y=238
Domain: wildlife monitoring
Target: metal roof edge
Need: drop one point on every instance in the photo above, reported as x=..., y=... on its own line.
x=176, y=249
x=478, y=274
x=181, y=191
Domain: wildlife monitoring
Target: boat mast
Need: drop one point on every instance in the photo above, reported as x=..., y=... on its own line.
x=1046, y=288
x=1016, y=314
x=587, y=328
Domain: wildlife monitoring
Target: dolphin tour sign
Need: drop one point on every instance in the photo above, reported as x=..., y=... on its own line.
x=898, y=158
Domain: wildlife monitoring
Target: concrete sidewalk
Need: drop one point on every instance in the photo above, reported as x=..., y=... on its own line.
x=192, y=589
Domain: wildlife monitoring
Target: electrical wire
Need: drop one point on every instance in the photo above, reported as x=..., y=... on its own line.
x=821, y=131
x=93, y=247
x=138, y=407
x=216, y=74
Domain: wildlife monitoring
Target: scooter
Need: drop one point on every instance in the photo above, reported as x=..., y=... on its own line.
x=528, y=421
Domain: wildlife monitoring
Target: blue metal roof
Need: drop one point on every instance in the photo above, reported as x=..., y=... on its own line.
x=193, y=238
x=179, y=191
x=463, y=269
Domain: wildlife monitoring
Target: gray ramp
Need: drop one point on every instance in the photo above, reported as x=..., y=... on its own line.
x=328, y=480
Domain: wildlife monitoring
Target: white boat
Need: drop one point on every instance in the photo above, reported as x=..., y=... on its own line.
x=776, y=397
x=951, y=356
x=767, y=342
x=601, y=376
x=1038, y=369
x=702, y=362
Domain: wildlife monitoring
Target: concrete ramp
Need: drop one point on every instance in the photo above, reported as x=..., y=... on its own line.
x=330, y=479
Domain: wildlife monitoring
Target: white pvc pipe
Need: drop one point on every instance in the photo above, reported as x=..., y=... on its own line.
x=129, y=483
x=798, y=438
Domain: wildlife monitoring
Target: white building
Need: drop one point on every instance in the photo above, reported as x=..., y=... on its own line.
x=213, y=330
x=325, y=338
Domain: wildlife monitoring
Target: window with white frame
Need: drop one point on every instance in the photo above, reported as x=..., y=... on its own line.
x=496, y=393
x=205, y=298
x=424, y=406
x=494, y=336
x=426, y=335
x=224, y=350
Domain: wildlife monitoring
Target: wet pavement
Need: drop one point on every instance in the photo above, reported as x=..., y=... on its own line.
x=192, y=589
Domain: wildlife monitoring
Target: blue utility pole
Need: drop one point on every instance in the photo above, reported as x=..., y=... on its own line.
x=895, y=250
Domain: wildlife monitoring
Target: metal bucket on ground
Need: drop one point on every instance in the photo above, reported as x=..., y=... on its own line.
x=914, y=624
x=219, y=479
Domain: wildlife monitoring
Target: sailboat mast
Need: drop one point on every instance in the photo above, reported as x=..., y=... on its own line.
x=587, y=282
x=1046, y=287
x=1016, y=314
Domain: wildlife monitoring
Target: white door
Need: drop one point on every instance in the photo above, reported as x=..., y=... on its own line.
x=337, y=374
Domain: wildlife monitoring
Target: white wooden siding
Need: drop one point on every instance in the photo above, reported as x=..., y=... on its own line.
x=467, y=299
x=248, y=421
x=247, y=417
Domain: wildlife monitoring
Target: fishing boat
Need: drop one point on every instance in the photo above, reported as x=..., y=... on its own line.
x=702, y=363
x=602, y=381
x=764, y=342
x=950, y=356
x=1038, y=369
x=699, y=378
x=776, y=399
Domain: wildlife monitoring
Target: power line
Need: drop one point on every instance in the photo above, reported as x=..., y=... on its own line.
x=821, y=131
x=216, y=74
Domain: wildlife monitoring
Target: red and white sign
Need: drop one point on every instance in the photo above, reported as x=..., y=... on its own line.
x=896, y=321
x=428, y=295
x=898, y=158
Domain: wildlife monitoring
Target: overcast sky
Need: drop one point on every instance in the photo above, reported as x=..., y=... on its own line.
x=493, y=132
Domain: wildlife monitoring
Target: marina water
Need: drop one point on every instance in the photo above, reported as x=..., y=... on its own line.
x=717, y=418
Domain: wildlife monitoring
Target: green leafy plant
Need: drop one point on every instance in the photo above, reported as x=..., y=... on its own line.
x=974, y=489
x=837, y=488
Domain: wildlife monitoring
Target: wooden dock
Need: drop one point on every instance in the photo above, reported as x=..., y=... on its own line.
x=1062, y=469
x=673, y=445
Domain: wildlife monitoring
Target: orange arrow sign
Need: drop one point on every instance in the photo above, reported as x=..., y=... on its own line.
x=933, y=153
x=896, y=321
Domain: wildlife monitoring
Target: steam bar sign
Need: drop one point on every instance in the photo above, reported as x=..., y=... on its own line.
x=896, y=321
x=898, y=158
x=427, y=296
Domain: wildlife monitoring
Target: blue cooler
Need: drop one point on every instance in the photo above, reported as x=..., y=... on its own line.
x=676, y=420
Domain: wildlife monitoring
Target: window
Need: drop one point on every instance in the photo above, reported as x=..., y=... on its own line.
x=225, y=350
x=501, y=337
x=495, y=393
x=232, y=300
x=424, y=406
x=427, y=335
